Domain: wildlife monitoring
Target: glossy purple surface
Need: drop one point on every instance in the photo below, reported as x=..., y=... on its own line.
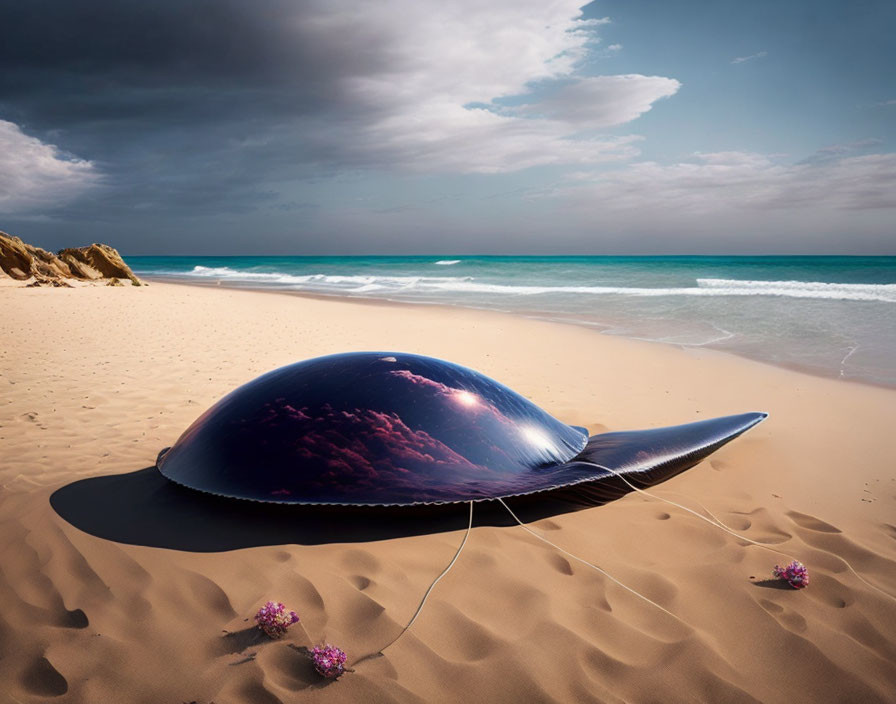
x=374, y=428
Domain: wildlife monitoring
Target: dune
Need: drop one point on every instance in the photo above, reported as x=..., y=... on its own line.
x=116, y=586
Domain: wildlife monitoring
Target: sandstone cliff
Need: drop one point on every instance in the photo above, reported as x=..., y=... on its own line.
x=96, y=262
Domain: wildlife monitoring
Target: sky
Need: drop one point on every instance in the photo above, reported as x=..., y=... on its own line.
x=423, y=126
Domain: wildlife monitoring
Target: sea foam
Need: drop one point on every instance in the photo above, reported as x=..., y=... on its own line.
x=359, y=284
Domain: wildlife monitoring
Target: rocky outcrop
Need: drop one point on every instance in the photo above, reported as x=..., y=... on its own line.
x=24, y=262
x=98, y=261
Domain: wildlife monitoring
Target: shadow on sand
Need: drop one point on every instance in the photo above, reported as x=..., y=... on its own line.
x=144, y=508
x=774, y=584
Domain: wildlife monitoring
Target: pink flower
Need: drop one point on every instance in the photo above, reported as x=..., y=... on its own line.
x=795, y=574
x=274, y=619
x=329, y=661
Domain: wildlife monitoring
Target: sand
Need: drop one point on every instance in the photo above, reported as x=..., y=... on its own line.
x=115, y=587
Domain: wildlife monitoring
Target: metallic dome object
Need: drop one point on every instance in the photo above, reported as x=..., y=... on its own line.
x=389, y=428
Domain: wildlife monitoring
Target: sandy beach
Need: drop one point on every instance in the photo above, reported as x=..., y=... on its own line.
x=115, y=587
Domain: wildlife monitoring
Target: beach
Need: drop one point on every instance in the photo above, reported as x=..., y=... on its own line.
x=829, y=316
x=96, y=381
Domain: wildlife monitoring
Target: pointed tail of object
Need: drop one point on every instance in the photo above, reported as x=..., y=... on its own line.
x=646, y=457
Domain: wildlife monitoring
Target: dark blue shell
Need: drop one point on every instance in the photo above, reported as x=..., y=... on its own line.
x=373, y=428
x=387, y=428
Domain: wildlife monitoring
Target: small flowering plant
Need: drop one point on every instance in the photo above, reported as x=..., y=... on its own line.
x=329, y=661
x=274, y=618
x=794, y=574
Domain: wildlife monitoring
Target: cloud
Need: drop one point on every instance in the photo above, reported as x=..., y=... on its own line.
x=751, y=57
x=35, y=176
x=373, y=455
x=246, y=98
x=836, y=151
x=604, y=101
x=738, y=182
x=447, y=57
x=451, y=138
x=424, y=382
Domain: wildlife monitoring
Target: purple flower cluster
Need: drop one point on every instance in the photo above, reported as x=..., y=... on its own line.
x=328, y=660
x=795, y=574
x=274, y=619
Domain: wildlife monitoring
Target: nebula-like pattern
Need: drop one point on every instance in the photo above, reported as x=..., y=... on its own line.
x=371, y=428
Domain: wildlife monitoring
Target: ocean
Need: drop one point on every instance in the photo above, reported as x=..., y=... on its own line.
x=832, y=316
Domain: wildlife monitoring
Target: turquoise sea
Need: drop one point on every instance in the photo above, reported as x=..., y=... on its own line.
x=833, y=316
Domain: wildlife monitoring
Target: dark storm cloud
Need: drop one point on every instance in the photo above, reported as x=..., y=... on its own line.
x=164, y=97
x=110, y=60
x=190, y=104
x=147, y=115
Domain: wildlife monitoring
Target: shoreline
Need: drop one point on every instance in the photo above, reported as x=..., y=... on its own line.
x=521, y=314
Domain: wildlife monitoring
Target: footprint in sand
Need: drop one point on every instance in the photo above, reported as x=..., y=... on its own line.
x=804, y=520
x=74, y=619
x=360, y=582
x=830, y=591
x=307, y=592
x=257, y=693
x=289, y=668
x=478, y=643
x=360, y=560
x=771, y=607
x=740, y=523
x=210, y=595
x=360, y=609
x=658, y=588
x=559, y=563
x=791, y=620
x=43, y=680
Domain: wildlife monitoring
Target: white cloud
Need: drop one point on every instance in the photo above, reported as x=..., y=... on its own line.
x=738, y=182
x=604, y=101
x=441, y=57
x=461, y=52
x=35, y=176
x=448, y=137
x=751, y=57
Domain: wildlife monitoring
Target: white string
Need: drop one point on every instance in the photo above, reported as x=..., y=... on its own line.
x=585, y=562
x=431, y=586
x=714, y=521
x=718, y=524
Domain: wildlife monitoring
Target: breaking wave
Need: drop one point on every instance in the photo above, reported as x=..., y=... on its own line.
x=361, y=283
x=803, y=289
x=383, y=284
